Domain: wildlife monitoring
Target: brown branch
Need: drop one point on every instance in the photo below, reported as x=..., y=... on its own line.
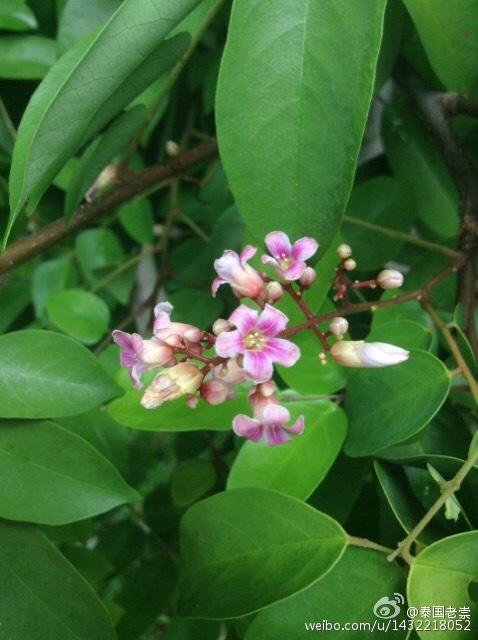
x=436, y=109
x=132, y=186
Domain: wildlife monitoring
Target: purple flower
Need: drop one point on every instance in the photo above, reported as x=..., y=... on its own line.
x=255, y=339
x=270, y=426
x=232, y=268
x=288, y=260
x=139, y=355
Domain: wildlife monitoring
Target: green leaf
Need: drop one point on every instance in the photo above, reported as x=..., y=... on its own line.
x=379, y=201
x=68, y=109
x=26, y=57
x=298, y=467
x=47, y=375
x=50, y=277
x=442, y=574
x=389, y=405
x=81, y=17
x=52, y=476
x=253, y=547
x=348, y=593
x=15, y=15
x=175, y=415
x=137, y=220
x=419, y=168
x=191, y=480
x=80, y=314
x=42, y=595
x=99, y=154
x=402, y=333
x=14, y=298
x=195, y=307
x=449, y=34
x=294, y=91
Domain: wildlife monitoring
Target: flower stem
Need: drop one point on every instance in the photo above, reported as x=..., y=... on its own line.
x=297, y=298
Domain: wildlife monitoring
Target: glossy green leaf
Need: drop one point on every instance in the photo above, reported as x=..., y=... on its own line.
x=68, y=109
x=26, y=57
x=191, y=480
x=137, y=220
x=388, y=405
x=7, y=130
x=402, y=333
x=42, y=595
x=78, y=313
x=14, y=298
x=346, y=594
x=269, y=542
x=298, y=467
x=52, y=476
x=419, y=168
x=294, y=90
x=51, y=276
x=81, y=17
x=442, y=574
x=175, y=415
x=47, y=375
x=16, y=15
x=99, y=154
x=449, y=34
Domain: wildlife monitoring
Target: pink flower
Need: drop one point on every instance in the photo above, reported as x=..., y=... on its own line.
x=269, y=420
x=288, y=260
x=139, y=355
x=231, y=268
x=255, y=339
x=172, y=333
x=214, y=391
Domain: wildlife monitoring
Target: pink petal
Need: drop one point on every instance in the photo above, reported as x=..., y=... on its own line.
x=295, y=271
x=229, y=344
x=297, y=427
x=271, y=321
x=278, y=244
x=216, y=283
x=247, y=253
x=257, y=365
x=247, y=428
x=244, y=318
x=275, y=415
x=269, y=260
x=226, y=264
x=134, y=374
x=304, y=248
x=282, y=351
x=275, y=436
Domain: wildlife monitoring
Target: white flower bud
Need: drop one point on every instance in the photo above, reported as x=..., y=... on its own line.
x=170, y=384
x=273, y=291
x=350, y=264
x=172, y=148
x=338, y=327
x=221, y=325
x=308, y=277
x=344, y=251
x=357, y=353
x=390, y=279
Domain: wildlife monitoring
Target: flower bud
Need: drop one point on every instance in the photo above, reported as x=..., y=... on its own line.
x=182, y=379
x=106, y=177
x=172, y=148
x=308, y=277
x=390, y=279
x=273, y=291
x=344, y=251
x=357, y=353
x=338, y=327
x=350, y=264
x=214, y=391
x=221, y=325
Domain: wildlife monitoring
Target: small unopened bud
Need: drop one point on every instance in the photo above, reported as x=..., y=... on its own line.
x=344, y=251
x=214, y=391
x=273, y=291
x=390, y=279
x=308, y=277
x=172, y=148
x=350, y=264
x=357, y=353
x=338, y=327
x=221, y=325
x=106, y=177
x=182, y=379
x=267, y=388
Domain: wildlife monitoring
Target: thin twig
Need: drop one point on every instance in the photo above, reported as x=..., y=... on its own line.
x=368, y=544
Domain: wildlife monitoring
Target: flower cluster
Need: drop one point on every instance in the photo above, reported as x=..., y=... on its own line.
x=244, y=348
